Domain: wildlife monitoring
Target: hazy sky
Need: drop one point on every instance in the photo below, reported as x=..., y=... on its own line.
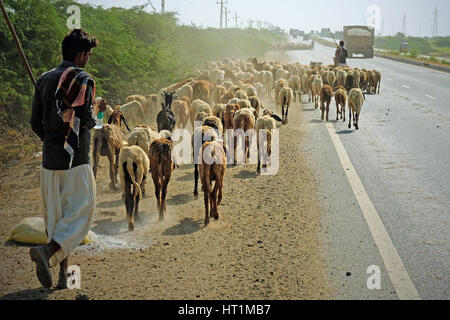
x=308, y=15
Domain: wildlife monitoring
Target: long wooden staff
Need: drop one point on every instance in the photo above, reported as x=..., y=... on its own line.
x=19, y=47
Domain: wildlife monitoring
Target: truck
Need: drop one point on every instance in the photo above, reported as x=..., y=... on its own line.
x=359, y=41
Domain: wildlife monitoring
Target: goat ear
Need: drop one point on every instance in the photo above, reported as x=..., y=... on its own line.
x=277, y=118
x=110, y=119
x=125, y=122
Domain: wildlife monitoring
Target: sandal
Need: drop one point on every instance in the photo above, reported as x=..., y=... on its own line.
x=43, y=273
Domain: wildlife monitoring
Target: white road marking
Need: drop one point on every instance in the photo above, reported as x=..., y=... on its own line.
x=405, y=86
x=431, y=97
x=389, y=79
x=400, y=279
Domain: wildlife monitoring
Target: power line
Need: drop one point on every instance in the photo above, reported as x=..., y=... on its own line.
x=222, y=3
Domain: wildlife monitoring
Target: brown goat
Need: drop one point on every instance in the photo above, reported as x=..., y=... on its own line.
x=180, y=109
x=213, y=170
x=340, y=96
x=108, y=142
x=202, y=90
x=326, y=94
x=226, y=97
x=161, y=167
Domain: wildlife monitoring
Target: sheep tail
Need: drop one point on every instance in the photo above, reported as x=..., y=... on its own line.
x=137, y=188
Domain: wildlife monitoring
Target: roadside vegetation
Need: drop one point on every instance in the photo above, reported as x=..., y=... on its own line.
x=139, y=53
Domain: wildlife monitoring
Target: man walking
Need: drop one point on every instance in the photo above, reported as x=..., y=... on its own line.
x=340, y=58
x=62, y=117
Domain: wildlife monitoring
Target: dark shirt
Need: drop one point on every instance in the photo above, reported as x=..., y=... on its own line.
x=342, y=55
x=48, y=125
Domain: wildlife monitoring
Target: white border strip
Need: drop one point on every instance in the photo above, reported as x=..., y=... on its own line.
x=400, y=279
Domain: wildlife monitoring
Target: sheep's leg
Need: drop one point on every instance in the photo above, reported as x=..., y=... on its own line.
x=343, y=112
x=136, y=208
x=249, y=148
x=219, y=184
x=322, y=111
x=286, y=115
x=328, y=109
x=157, y=184
x=196, y=179
x=143, y=186
x=235, y=145
x=246, y=150
x=258, y=169
x=214, y=200
x=129, y=206
x=212, y=213
x=349, y=118
x=357, y=121
x=96, y=157
x=112, y=170
x=206, y=200
x=116, y=165
x=163, y=198
x=337, y=111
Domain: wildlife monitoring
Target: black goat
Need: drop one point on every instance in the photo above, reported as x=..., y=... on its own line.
x=166, y=118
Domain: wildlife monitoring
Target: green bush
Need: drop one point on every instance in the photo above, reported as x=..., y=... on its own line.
x=139, y=52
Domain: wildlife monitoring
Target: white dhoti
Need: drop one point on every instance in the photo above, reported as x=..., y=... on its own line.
x=68, y=202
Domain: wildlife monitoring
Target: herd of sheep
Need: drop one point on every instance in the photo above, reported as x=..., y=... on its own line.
x=223, y=98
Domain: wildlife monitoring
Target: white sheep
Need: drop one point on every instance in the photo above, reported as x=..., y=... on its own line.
x=259, y=89
x=316, y=86
x=355, y=103
x=341, y=75
x=185, y=91
x=285, y=97
x=266, y=123
x=198, y=106
x=133, y=112
x=133, y=179
x=143, y=137
x=244, y=120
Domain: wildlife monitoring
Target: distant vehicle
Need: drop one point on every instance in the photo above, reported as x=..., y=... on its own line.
x=295, y=33
x=359, y=41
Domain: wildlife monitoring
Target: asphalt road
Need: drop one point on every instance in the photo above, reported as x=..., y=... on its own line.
x=401, y=154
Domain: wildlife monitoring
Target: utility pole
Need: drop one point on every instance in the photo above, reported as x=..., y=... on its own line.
x=404, y=24
x=250, y=23
x=222, y=3
x=435, y=23
x=163, y=6
x=236, y=19
x=226, y=17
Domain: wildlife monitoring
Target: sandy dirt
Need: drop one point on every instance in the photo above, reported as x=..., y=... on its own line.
x=266, y=244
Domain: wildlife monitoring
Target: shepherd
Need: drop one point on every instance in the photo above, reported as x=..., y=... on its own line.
x=62, y=116
x=340, y=57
